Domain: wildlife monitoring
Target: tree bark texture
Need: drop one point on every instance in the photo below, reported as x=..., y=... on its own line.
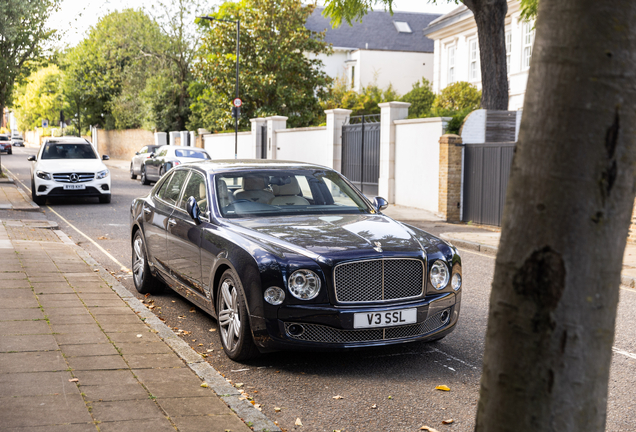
x=490, y=18
x=568, y=207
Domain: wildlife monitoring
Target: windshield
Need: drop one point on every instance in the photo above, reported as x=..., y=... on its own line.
x=68, y=151
x=4, y=138
x=286, y=192
x=191, y=154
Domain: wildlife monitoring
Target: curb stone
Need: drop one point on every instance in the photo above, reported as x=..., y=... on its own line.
x=225, y=391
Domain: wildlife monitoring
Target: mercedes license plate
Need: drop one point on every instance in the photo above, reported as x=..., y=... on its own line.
x=385, y=319
x=74, y=186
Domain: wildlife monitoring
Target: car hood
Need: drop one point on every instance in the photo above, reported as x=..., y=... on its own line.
x=70, y=165
x=337, y=236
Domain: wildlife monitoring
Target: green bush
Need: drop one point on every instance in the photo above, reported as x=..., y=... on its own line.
x=365, y=102
x=457, y=97
x=421, y=98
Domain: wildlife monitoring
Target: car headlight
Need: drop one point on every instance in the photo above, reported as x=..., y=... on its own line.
x=43, y=175
x=456, y=281
x=439, y=275
x=304, y=284
x=102, y=174
x=274, y=295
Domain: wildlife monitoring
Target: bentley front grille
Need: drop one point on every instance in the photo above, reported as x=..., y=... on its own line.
x=379, y=280
x=324, y=334
x=77, y=177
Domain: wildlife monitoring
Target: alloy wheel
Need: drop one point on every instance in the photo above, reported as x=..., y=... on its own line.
x=229, y=317
x=139, y=260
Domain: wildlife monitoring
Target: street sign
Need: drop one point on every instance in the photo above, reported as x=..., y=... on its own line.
x=237, y=102
x=45, y=123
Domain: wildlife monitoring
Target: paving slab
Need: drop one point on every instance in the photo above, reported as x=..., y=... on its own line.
x=81, y=338
x=126, y=410
x=114, y=392
x=217, y=423
x=28, y=343
x=133, y=337
x=88, y=326
x=44, y=361
x=137, y=426
x=99, y=362
x=71, y=319
x=14, y=283
x=188, y=406
x=24, y=327
x=81, y=427
x=139, y=361
x=43, y=410
x=144, y=348
x=19, y=303
x=86, y=350
x=21, y=314
x=106, y=377
x=15, y=292
x=36, y=383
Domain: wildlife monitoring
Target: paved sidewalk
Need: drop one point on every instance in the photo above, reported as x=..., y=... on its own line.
x=78, y=352
x=484, y=240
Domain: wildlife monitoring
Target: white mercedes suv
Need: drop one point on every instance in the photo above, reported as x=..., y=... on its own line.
x=69, y=167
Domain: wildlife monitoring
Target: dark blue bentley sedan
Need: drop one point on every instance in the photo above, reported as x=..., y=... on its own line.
x=289, y=255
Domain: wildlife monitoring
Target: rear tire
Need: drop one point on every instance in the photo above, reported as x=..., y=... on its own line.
x=145, y=282
x=105, y=199
x=233, y=321
x=36, y=199
x=144, y=179
x=132, y=173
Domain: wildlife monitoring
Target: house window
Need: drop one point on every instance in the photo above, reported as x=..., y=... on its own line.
x=402, y=27
x=474, y=59
x=508, y=50
x=451, y=64
x=353, y=76
x=528, y=41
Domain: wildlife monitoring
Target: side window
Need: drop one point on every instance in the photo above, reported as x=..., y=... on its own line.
x=304, y=187
x=161, y=187
x=143, y=150
x=195, y=188
x=171, y=192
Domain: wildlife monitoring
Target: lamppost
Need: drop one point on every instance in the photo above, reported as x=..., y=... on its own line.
x=236, y=109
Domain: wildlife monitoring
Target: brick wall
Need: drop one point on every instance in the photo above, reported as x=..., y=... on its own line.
x=123, y=144
x=450, y=176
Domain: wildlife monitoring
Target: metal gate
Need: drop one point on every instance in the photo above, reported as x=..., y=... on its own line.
x=361, y=152
x=486, y=174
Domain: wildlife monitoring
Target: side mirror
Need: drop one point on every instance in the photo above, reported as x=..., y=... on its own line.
x=32, y=158
x=151, y=155
x=136, y=153
x=105, y=157
x=193, y=209
x=380, y=203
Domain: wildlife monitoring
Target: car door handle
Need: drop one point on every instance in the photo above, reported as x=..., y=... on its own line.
x=172, y=222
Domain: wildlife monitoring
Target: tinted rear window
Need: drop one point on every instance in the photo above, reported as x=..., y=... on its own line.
x=191, y=154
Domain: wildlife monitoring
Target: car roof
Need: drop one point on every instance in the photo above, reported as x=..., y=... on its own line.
x=182, y=147
x=67, y=140
x=228, y=165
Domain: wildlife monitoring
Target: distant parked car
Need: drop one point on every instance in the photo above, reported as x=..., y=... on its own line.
x=5, y=144
x=139, y=157
x=17, y=141
x=168, y=157
x=69, y=167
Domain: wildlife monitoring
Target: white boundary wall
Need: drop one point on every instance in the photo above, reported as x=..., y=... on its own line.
x=221, y=146
x=304, y=145
x=417, y=162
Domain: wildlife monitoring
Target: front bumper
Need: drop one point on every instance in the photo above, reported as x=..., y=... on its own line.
x=52, y=188
x=329, y=327
x=5, y=148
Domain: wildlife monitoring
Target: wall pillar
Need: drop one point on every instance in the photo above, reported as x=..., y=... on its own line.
x=389, y=112
x=274, y=123
x=335, y=120
x=173, y=137
x=161, y=138
x=257, y=135
x=184, y=138
x=450, y=177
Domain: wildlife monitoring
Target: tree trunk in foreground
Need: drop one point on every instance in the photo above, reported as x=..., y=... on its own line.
x=490, y=18
x=568, y=207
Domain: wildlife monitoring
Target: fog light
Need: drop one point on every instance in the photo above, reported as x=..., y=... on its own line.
x=456, y=282
x=274, y=296
x=41, y=188
x=445, y=316
x=295, y=330
x=105, y=187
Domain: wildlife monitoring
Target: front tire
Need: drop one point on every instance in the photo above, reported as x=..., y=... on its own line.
x=36, y=199
x=105, y=199
x=145, y=282
x=144, y=179
x=233, y=321
x=132, y=172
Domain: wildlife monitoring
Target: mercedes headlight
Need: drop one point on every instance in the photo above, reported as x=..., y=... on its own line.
x=43, y=175
x=439, y=275
x=304, y=284
x=102, y=174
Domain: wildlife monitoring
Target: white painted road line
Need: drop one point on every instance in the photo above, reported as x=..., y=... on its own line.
x=625, y=353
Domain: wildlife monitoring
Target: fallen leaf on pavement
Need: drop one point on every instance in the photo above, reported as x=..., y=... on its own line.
x=212, y=329
x=298, y=422
x=73, y=380
x=204, y=385
x=239, y=385
x=200, y=345
x=276, y=409
x=210, y=350
x=429, y=429
x=338, y=397
x=193, y=310
x=374, y=406
x=390, y=397
x=442, y=387
x=139, y=335
x=449, y=421
x=102, y=238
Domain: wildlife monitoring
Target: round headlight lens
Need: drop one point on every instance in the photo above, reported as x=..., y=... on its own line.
x=304, y=284
x=439, y=275
x=274, y=296
x=456, y=281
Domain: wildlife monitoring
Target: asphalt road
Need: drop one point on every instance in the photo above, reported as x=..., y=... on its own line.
x=382, y=389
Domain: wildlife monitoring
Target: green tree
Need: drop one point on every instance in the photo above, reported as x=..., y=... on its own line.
x=457, y=97
x=421, y=98
x=490, y=19
x=41, y=98
x=23, y=32
x=276, y=74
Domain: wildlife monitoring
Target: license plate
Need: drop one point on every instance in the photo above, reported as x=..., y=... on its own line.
x=385, y=319
x=74, y=186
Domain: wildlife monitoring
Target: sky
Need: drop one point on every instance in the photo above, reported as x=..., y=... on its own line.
x=75, y=17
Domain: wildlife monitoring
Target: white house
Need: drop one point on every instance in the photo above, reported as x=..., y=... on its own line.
x=457, y=50
x=382, y=49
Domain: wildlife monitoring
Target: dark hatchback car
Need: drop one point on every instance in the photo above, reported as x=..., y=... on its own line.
x=288, y=255
x=5, y=144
